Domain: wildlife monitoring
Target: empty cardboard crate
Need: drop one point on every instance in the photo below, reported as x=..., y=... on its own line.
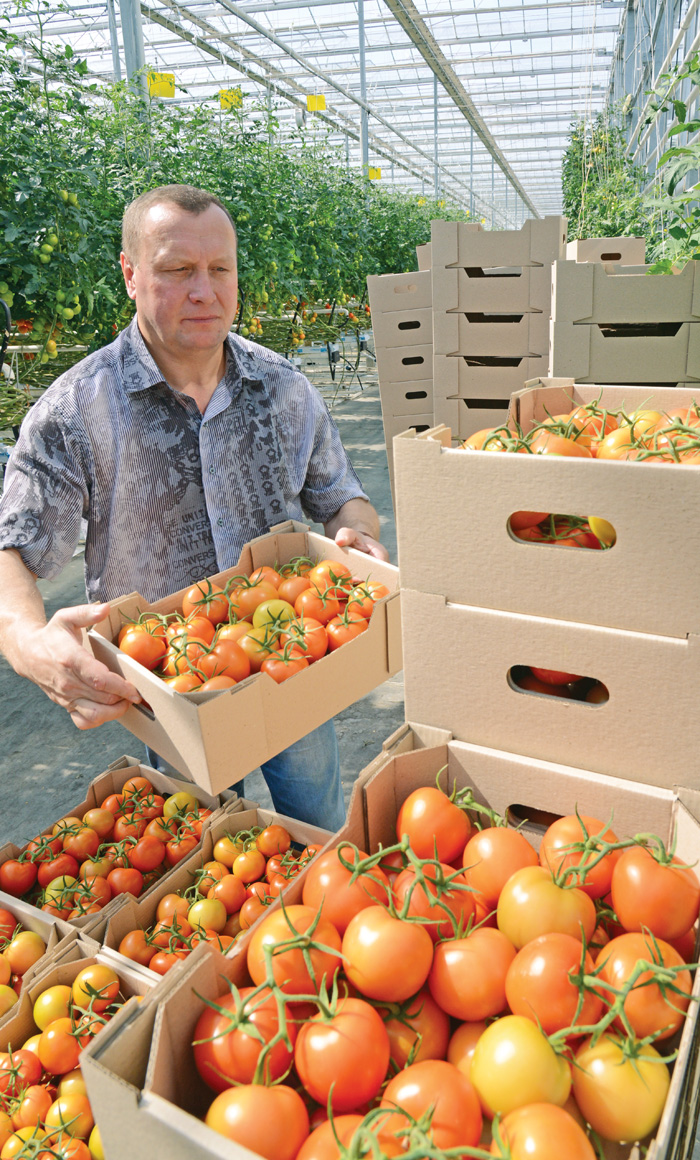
x=536, y=243
x=403, y=328
x=465, y=417
x=397, y=364
x=483, y=333
x=508, y=289
x=412, y=398
x=487, y=376
x=390, y=292
x=622, y=251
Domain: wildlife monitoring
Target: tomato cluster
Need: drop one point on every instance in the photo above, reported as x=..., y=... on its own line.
x=590, y=431
x=277, y=621
x=122, y=846
x=247, y=871
x=44, y=1108
x=458, y=976
x=19, y=950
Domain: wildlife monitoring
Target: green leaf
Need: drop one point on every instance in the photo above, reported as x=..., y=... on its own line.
x=680, y=109
x=686, y=127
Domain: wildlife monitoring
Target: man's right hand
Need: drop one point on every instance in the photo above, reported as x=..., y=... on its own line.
x=53, y=656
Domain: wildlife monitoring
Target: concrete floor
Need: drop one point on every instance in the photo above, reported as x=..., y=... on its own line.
x=46, y=763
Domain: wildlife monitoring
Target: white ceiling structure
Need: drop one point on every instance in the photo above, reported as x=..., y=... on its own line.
x=509, y=78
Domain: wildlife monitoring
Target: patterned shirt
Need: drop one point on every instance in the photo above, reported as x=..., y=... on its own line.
x=169, y=495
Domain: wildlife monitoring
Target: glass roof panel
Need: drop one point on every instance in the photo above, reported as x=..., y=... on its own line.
x=518, y=71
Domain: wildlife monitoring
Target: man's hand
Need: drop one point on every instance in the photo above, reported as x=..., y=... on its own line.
x=52, y=655
x=356, y=525
x=349, y=538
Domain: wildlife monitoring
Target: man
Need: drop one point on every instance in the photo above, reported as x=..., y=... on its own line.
x=178, y=442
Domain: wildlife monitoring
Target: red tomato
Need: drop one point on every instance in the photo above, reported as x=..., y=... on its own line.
x=566, y=844
x=491, y=856
x=435, y=826
x=343, y=1058
x=179, y=847
x=18, y=1070
x=309, y=635
x=650, y=1008
x=290, y=968
x=231, y=891
x=331, y=1139
x=134, y=946
x=332, y=888
x=207, y=599
x=549, y=443
x=663, y=898
x=540, y=983
x=246, y=598
x=143, y=647
x=553, y=676
x=230, y=1036
x=344, y=628
x=468, y=975
x=59, y=1049
x=375, y=943
x=541, y=1132
x=274, y=839
x=65, y=865
x=438, y=895
x=436, y=1086
x=126, y=880
x=281, y=666
x=419, y=1029
x=317, y=603
x=271, y=1121
x=226, y=658
x=84, y=843
x=17, y=877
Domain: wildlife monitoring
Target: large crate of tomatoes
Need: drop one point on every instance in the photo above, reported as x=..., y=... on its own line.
x=467, y=1032
x=219, y=734
x=134, y=824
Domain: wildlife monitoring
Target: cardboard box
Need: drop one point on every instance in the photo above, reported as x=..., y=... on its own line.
x=56, y=933
x=594, y=353
x=109, y=782
x=218, y=738
x=391, y=292
x=623, y=251
x=509, y=289
x=136, y=1081
x=465, y=417
x=487, y=377
x=424, y=256
x=414, y=398
x=536, y=243
x=480, y=333
x=395, y=424
x=643, y=584
x=403, y=328
x=458, y=661
x=624, y=295
x=137, y=1090
x=140, y=913
x=398, y=365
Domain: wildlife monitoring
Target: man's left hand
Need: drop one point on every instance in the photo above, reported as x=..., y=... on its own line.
x=350, y=538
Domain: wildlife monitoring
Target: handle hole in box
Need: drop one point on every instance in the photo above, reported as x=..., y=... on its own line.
x=412, y=360
x=638, y=329
x=494, y=319
x=530, y=817
x=494, y=271
x=492, y=360
x=414, y=324
x=146, y=709
x=416, y=394
x=541, y=682
x=555, y=530
x=407, y=288
x=611, y=257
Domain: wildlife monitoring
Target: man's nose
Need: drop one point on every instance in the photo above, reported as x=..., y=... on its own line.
x=201, y=287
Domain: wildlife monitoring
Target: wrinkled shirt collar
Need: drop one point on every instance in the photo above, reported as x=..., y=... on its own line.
x=145, y=373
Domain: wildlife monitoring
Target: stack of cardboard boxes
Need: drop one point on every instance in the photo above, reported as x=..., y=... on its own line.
x=615, y=324
x=491, y=313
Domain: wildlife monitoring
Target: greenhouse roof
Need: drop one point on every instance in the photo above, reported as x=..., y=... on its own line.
x=509, y=78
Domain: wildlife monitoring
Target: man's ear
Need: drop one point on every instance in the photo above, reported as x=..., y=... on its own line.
x=128, y=269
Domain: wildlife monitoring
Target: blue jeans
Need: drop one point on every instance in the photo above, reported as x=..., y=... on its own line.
x=304, y=780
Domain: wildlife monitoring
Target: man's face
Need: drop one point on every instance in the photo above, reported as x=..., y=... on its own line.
x=184, y=281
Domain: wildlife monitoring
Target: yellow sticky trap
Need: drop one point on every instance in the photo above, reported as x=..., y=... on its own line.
x=161, y=84
x=315, y=102
x=230, y=98
x=375, y=173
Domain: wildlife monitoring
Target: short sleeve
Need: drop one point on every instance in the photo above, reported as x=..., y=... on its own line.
x=45, y=493
x=330, y=479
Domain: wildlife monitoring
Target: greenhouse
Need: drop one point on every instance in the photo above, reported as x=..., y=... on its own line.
x=349, y=647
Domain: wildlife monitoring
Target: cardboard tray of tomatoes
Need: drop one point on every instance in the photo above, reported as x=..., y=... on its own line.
x=216, y=738
x=158, y=1103
x=131, y=914
x=643, y=583
x=105, y=784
